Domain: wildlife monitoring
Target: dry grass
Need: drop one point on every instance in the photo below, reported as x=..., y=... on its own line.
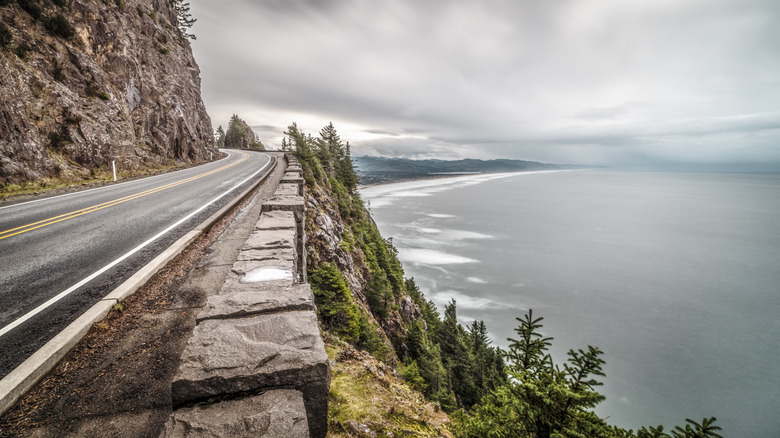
x=73, y=177
x=367, y=398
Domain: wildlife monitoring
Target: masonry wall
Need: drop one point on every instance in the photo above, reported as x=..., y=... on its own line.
x=256, y=363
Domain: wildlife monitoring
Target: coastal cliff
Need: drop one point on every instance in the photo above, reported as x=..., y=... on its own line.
x=85, y=82
x=398, y=366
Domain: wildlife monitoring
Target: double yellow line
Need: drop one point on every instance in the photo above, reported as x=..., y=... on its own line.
x=94, y=208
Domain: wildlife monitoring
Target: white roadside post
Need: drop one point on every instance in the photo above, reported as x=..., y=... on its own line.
x=113, y=166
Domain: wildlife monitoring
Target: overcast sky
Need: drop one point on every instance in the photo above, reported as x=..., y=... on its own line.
x=569, y=81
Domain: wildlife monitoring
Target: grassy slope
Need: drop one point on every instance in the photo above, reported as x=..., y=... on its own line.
x=367, y=395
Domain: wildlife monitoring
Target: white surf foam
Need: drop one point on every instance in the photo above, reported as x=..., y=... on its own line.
x=462, y=234
x=383, y=195
x=431, y=257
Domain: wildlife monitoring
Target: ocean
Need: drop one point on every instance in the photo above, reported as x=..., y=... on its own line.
x=675, y=276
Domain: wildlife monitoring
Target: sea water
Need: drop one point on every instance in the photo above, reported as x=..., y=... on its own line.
x=675, y=276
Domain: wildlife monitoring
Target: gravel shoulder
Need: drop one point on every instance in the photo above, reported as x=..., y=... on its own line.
x=117, y=381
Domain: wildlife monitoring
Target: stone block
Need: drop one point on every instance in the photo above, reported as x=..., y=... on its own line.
x=250, y=299
x=235, y=356
x=287, y=190
x=233, y=282
x=267, y=254
x=286, y=203
x=275, y=414
x=271, y=239
x=295, y=175
x=276, y=220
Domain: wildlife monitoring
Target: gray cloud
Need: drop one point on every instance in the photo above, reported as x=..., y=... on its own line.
x=592, y=81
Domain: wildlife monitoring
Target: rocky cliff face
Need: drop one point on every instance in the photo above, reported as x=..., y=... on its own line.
x=119, y=84
x=326, y=234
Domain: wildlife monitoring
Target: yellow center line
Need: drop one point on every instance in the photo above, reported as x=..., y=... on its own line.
x=83, y=211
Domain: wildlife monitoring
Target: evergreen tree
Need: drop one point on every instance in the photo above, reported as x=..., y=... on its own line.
x=220, y=137
x=422, y=351
x=543, y=400
x=706, y=429
x=528, y=354
x=346, y=169
x=184, y=20
x=428, y=309
x=487, y=368
x=335, y=307
x=456, y=357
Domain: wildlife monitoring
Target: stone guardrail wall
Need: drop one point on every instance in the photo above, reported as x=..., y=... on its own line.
x=256, y=363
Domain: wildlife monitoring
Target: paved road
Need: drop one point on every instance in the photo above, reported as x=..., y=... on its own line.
x=60, y=255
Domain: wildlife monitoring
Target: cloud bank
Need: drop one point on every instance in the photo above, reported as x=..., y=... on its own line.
x=578, y=81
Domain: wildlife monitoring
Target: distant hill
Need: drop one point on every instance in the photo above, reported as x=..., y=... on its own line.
x=375, y=170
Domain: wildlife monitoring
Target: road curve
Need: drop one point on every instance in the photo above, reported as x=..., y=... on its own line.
x=60, y=255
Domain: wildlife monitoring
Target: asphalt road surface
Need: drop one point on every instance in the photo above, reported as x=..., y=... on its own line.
x=61, y=255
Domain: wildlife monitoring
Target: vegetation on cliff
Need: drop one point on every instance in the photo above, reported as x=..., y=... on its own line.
x=364, y=300
x=239, y=136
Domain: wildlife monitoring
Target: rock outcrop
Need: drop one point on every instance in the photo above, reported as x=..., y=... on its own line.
x=241, y=136
x=93, y=81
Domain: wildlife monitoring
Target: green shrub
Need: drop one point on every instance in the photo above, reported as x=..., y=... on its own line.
x=32, y=7
x=165, y=50
x=21, y=50
x=369, y=340
x=58, y=140
x=92, y=90
x=69, y=117
x=58, y=25
x=411, y=373
x=335, y=307
x=5, y=35
x=58, y=71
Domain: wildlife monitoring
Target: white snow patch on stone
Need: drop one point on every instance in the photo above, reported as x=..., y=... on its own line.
x=266, y=274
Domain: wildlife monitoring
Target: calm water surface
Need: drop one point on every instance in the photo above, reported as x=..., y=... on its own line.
x=675, y=276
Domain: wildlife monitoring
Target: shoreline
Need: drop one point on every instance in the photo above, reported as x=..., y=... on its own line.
x=452, y=175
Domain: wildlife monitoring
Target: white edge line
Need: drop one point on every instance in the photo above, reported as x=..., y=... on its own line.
x=21, y=379
x=112, y=185
x=95, y=274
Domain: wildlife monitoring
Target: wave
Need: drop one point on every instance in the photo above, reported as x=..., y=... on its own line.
x=422, y=256
x=468, y=302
